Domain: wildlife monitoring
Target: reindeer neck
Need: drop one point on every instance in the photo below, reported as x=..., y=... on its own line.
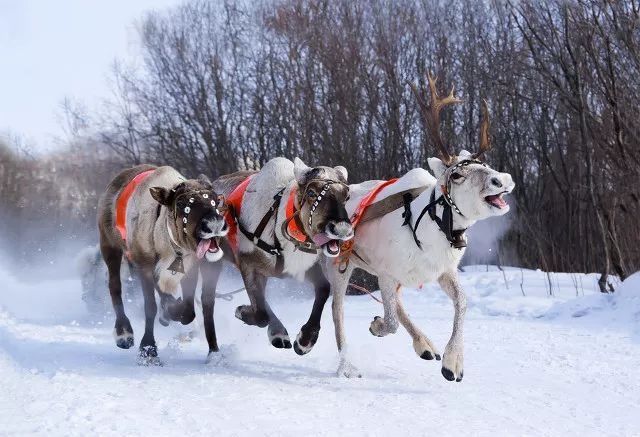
x=459, y=221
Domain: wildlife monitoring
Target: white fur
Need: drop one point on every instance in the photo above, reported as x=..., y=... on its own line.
x=392, y=254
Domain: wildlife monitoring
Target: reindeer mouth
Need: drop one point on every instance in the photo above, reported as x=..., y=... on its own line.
x=330, y=246
x=496, y=200
x=207, y=246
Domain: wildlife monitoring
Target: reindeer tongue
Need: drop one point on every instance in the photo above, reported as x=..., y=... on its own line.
x=202, y=248
x=321, y=239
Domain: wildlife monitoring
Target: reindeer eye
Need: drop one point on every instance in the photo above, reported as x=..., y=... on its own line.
x=456, y=176
x=311, y=193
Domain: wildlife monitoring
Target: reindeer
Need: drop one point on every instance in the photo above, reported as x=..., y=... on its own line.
x=395, y=241
x=281, y=219
x=165, y=225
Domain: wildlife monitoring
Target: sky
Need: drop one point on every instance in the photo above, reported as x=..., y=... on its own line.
x=52, y=49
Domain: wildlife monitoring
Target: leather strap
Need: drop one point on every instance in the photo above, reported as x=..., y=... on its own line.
x=389, y=204
x=271, y=249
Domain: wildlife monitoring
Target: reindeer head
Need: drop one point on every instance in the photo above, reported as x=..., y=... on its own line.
x=322, y=193
x=195, y=221
x=470, y=186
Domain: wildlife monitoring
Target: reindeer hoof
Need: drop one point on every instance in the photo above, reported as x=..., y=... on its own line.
x=163, y=321
x=281, y=343
x=251, y=317
x=306, y=340
x=125, y=343
x=427, y=355
x=123, y=334
x=448, y=374
x=148, y=356
x=187, y=317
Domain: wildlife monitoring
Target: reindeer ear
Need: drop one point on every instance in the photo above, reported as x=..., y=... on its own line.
x=464, y=154
x=204, y=179
x=342, y=171
x=162, y=195
x=437, y=167
x=300, y=170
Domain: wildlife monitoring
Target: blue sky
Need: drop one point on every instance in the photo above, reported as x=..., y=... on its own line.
x=52, y=49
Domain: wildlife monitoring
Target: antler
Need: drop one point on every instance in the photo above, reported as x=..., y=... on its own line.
x=485, y=137
x=431, y=115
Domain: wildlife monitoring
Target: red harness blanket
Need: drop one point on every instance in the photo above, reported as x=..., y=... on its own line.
x=234, y=203
x=123, y=200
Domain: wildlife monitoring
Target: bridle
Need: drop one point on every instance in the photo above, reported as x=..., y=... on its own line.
x=455, y=237
x=446, y=191
x=308, y=244
x=177, y=266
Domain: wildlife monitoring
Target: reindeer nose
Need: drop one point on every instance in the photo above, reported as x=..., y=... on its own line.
x=204, y=227
x=496, y=182
x=340, y=229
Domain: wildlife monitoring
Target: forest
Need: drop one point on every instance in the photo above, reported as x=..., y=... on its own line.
x=222, y=86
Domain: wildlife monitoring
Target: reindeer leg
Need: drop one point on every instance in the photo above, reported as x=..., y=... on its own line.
x=339, y=283
x=188, y=286
x=148, y=351
x=388, y=324
x=309, y=332
x=122, y=332
x=421, y=344
x=210, y=275
x=452, y=361
x=259, y=313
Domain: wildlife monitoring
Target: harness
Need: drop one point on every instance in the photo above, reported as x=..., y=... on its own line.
x=292, y=227
x=123, y=201
x=367, y=211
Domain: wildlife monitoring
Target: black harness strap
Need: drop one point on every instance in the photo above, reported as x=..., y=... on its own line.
x=272, y=249
x=454, y=237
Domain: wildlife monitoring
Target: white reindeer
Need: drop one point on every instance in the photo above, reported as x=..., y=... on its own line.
x=429, y=247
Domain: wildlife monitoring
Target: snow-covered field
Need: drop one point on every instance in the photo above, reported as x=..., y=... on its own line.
x=567, y=364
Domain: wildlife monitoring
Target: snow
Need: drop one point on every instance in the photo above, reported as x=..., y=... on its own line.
x=535, y=364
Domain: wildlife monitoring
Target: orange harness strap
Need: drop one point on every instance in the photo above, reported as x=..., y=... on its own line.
x=347, y=247
x=293, y=228
x=123, y=200
x=368, y=200
x=234, y=203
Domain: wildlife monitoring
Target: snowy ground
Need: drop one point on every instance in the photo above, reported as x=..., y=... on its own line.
x=534, y=365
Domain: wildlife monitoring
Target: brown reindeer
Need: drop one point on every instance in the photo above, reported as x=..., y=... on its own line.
x=165, y=225
x=282, y=219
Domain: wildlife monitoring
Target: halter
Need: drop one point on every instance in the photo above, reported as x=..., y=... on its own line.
x=177, y=266
x=307, y=245
x=446, y=189
x=445, y=224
